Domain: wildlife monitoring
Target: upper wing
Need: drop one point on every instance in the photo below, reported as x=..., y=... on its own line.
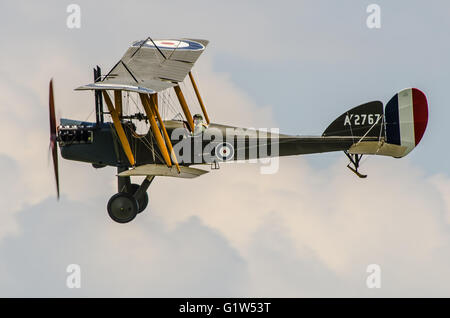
x=152, y=66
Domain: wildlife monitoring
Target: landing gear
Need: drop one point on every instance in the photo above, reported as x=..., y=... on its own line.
x=142, y=199
x=131, y=199
x=354, y=160
x=215, y=165
x=122, y=207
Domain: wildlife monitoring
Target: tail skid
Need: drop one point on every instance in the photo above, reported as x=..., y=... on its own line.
x=354, y=160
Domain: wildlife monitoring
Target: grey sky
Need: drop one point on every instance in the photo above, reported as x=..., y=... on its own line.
x=309, y=230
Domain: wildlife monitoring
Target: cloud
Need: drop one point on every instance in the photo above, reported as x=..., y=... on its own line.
x=8, y=191
x=301, y=232
x=394, y=218
x=442, y=184
x=144, y=259
x=25, y=127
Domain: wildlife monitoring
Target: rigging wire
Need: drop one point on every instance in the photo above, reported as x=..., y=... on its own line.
x=194, y=99
x=197, y=79
x=167, y=105
x=90, y=114
x=171, y=97
x=187, y=95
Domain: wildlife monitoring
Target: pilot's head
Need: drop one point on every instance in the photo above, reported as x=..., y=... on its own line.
x=197, y=119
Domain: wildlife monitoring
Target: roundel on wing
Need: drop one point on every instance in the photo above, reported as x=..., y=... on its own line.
x=169, y=44
x=224, y=151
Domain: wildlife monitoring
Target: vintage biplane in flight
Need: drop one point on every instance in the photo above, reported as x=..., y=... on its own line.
x=154, y=72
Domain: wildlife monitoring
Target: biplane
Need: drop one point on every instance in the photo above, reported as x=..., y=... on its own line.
x=152, y=77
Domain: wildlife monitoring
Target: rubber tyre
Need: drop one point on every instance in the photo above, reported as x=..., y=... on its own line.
x=122, y=207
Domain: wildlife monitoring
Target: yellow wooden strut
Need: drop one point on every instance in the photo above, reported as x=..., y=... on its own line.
x=184, y=106
x=200, y=101
x=119, y=129
x=153, y=100
x=118, y=102
x=159, y=140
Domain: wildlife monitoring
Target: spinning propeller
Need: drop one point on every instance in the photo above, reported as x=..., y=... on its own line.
x=53, y=136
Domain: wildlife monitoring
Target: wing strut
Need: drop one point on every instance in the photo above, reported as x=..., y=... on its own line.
x=154, y=106
x=184, y=106
x=159, y=140
x=194, y=85
x=118, y=102
x=118, y=125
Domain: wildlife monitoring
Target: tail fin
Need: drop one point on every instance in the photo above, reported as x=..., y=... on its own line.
x=363, y=120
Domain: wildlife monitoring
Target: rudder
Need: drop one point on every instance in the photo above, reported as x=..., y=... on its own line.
x=406, y=117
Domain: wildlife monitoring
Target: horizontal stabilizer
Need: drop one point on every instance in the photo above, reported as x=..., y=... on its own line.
x=163, y=171
x=377, y=148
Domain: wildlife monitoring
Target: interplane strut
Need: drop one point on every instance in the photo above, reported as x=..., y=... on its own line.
x=154, y=126
x=200, y=100
x=184, y=107
x=119, y=129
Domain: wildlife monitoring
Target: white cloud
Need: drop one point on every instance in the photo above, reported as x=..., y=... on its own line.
x=442, y=184
x=141, y=259
x=301, y=232
x=393, y=218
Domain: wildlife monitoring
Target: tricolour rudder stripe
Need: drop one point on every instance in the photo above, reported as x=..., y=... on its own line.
x=406, y=116
x=420, y=114
x=406, y=119
x=392, y=121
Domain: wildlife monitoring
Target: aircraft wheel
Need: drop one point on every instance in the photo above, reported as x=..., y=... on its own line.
x=122, y=207
x=142, y=201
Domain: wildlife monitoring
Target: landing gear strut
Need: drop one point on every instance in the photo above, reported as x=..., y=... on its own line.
x=140, y=192
x=354, y=160
x=131, y=199
x=142, y=198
